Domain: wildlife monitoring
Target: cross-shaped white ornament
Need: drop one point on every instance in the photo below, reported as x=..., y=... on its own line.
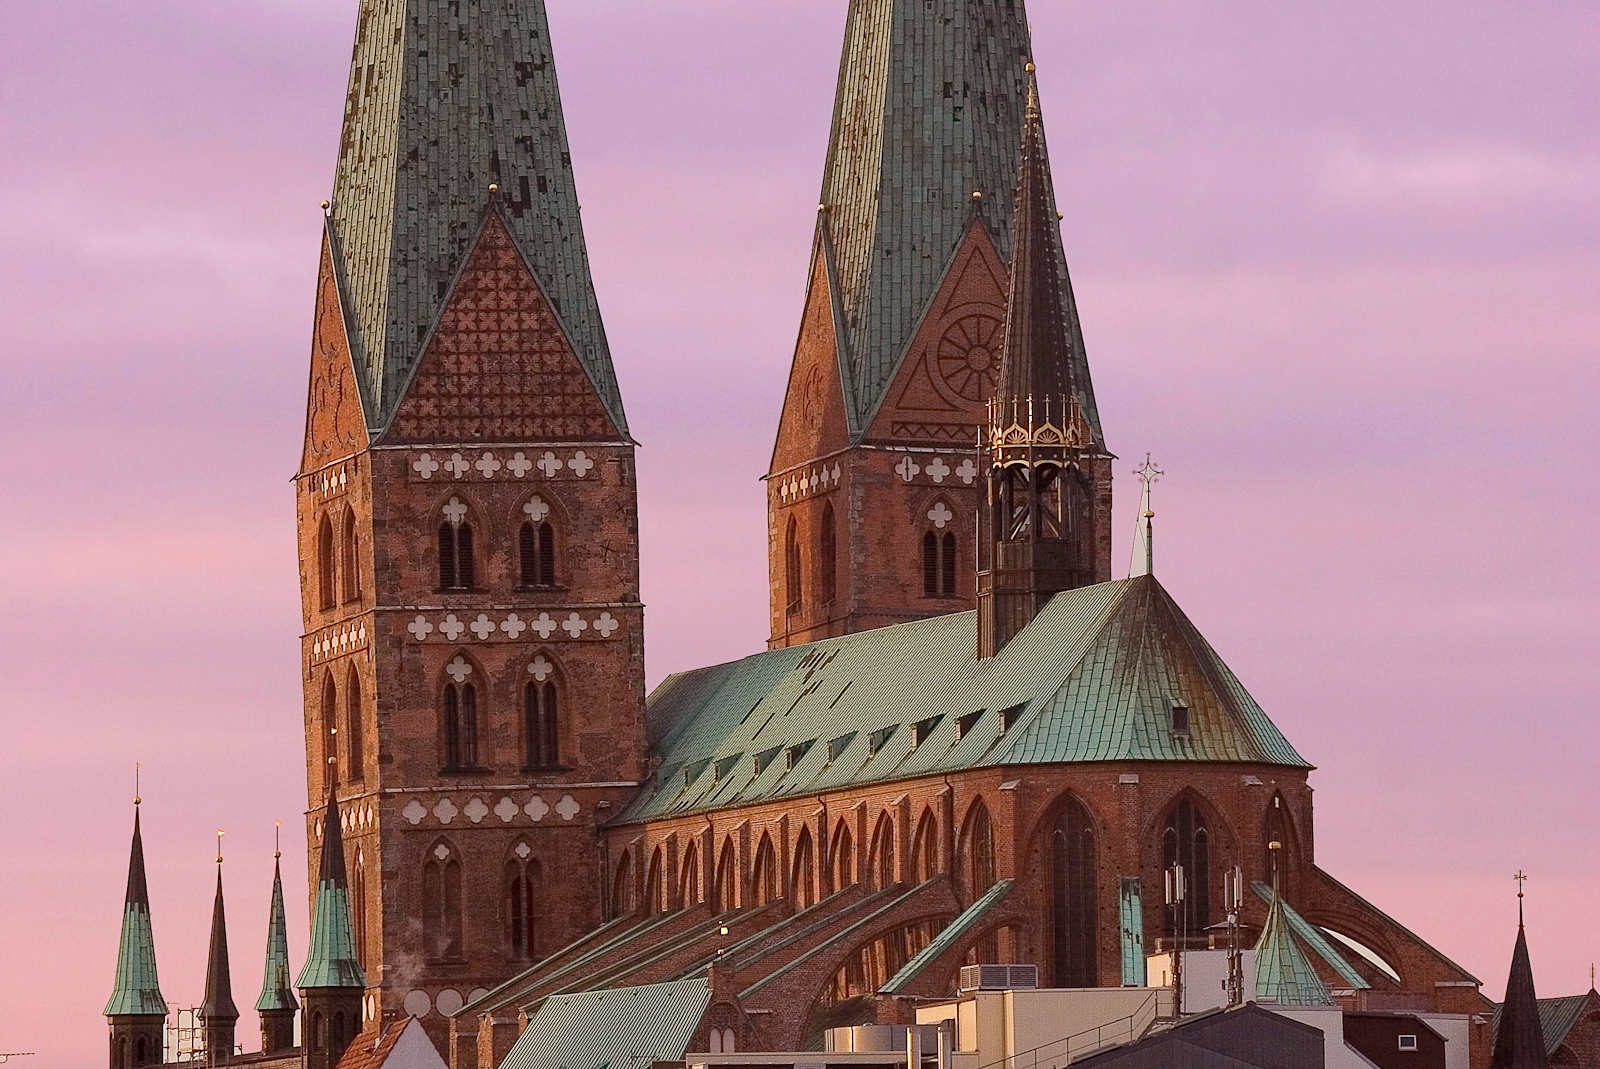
x=536, y=808
x=907, y=468
x=455, y=512
x=545, y=625
x=537, y=508
x=540, y=669
x=524, y=851
x=940, y=514
x=457, y=465
x=488, y=464
x=458, y=669
x=967, y=470
x=568, y=807
x=446, y=812
x=483, y=627
x=938, y=470
x=606, y=625
x=574, y=625
x=451, y=628
x=505, y=810
x=549, y=465
x=580, y=463
x=519, y=465
x=513, y=626
x=836, y=471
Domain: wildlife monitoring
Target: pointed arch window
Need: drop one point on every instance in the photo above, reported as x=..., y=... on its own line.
x=330, y=728
x=1186, y=841
x=655, y=893
x=536, y=546
x=764, y=879
x=924, y=849
x=441, y=904
x=460, y=721
x=828, y=557
x=791, y=567
x=880, y=861
x=326, y=576
x=689, y=885
x=804, y=884
x=727, y=888
x=541, y=722
x=457, y=564
x=977, y=852
x=1070, y=853
x=622, y=890
x=522, y=884
x=358, y=905
x=842, y=858
x=939, y=564
x=350, y=543
x=354, y=730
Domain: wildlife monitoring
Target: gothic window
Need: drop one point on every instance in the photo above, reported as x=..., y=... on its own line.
x=880, y=860
x=1070, y=853
x=354, y=734
x=827, y=558
x=456, y=562
x=1186, y=842
x=791, y=566
x=622, y=898
x=977, y=852
x=924, y=849
x=541, y=723
x=330, y=729
x=441, y=904
x=358, y=905
x=804, y=892
x=727, y=888
x=1278, y=831
x=536, y=545
x=337, y=1030
x=655, y=900
x=326, y=584
x=842, y=856
x=689, y=885
x=939, y=564
x=522, y=880
x=352, y=558
x=319, y=1031
x=764, y=879
x=460, y=726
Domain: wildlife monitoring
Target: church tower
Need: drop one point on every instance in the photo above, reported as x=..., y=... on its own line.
x=875, y=482
x=473, y=649
x=136, y=1011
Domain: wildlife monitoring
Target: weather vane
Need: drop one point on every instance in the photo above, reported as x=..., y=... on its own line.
x=1148, y=474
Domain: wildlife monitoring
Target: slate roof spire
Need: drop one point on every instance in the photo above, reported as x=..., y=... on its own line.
x=277, y=993
x=218, y=1002
x=929, y=110
x=444, y=100
x=331, y=961
x=136, y=991
x=1519, y=1043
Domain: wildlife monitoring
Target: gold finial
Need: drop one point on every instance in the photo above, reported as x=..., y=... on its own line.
x=1029, y=68
x=977, y=194
x=1060, y=216
x=326, y=205
x=821, y=208
x=494, y=187
x=277, y=847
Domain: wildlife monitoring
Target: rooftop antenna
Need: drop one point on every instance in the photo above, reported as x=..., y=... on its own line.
x=1144, y=554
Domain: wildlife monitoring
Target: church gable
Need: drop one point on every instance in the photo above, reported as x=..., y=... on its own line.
x=498, y=366
x=813, y=420
x=949, y=372
x=335, y=424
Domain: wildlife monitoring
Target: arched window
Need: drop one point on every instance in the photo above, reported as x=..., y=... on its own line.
x=689, y=885
x=827, y=558
x=791, y=566
x=925, y=849
x=541, y=723
x=1185, y=842
x=330, y=729
x=326, y=578
x=764, y=878
x=354, y=731
x=1070, y=853
x=358, y=905
x=727, y=888
x=352, y=558
x=803, y=891
x=460, y=725
x=842, y=858
x=319, y=1031
x=880, y=860
x=456, y=564
x=1278, y=830
x=536, y=546
x=977, y=852
x=441, y=903
x=337, y=1035
x=655, y=891
x=622, y=891
x=939, y=564
x=522, y=882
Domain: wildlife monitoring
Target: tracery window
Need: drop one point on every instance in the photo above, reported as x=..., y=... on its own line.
x=536, y=545
x=326, y=578
x=457, y=567
x=1185, y=841
x=352, y=558
x=460, y=726
x=522, y=885
x=791, y=567
x=939, y=564
x=1070, y=853
x=827, y=558
x=541, y=723
x=441, y=903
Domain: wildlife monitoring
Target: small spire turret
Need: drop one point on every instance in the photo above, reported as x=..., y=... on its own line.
x=136, y=1011
x=218, y=1014
x=1519, y=1037
x=332, y=983
x=277, y=1004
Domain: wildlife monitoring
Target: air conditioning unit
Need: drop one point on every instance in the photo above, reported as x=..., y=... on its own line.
x=998, y=978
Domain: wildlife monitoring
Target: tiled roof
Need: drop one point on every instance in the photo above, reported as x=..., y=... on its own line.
x=136, y=991
x=446, y=99
x=1284, y=974
x=928, y=111
x=623, y=1028
x=1092, y=678
x=947, y=937
x=402, y=1045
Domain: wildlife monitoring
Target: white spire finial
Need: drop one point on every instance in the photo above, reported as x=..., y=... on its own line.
x=1144, y=556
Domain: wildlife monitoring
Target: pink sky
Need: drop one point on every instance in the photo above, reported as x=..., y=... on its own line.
x=1337, y=269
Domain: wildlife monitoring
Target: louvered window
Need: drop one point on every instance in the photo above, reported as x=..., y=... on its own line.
x=460, y=727
x=456, y=565
x=522, y=879
x=441, y=904
x=939, y=565
x=542, y=725
x=537, y=546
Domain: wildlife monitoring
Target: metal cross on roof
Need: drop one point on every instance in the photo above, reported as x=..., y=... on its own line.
x=1521, y=878
x=1148, y=473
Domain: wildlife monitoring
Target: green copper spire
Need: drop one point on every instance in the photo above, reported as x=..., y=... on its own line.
x=136, y=992
x=331, y=961
x=276, y=991
x=1284, y=975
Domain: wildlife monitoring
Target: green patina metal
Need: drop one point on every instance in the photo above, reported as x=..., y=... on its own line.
x=621, y=1028
x=1284, y=973
x=948, y=936
x=331, y=962
x=277, y=993
x=1313, y=938
x=136, y=991
x=1131, y=914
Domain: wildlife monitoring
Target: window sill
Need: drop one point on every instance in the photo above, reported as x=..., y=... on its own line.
x=543, y=588
x=467, y=771
x=546, y=769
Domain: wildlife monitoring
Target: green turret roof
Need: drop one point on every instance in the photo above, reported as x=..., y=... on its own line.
x=331, y=961
x=277, y=993
x=446, y=99
x=218, y=1003
x=136, y=991
x=1284, y=973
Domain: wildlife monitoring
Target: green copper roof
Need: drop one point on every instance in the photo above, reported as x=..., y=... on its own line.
x=622, y=1028
x=331, y=961
x=948, y=936
x=446, y=99
x=218, y=1003
x=929, y=110
x=277, y=993
x=1092, y=678
x=1313, y=938
x=136, y=991
x=1284, y=974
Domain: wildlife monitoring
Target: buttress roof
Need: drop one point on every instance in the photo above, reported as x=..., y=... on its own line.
x=444, y=100
x=929, y=110
x=1092, y=678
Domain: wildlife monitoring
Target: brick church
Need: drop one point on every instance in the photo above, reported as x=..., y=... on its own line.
x=967, y=740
